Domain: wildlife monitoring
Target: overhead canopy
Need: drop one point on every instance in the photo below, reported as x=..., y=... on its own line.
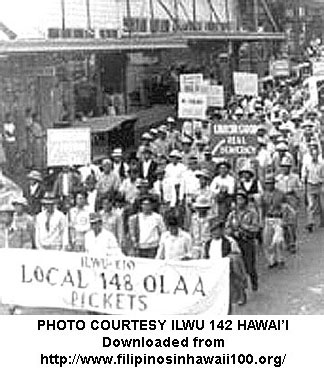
x=149, y=42
x=105, y=124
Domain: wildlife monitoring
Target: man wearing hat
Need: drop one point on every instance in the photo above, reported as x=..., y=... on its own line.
x=146, y=142
x=147, y=167
x=204, y=190
x=289, y=184
x=162, y=144
x=199, y=149
x=99, y=241
x=208, y=164
x=6, y=230
x=313, y=177
x=67, y=183
x=190, y=182
x=22, y=225
x=174, y=135
x=272, y=202
x=243, y=225
x=109, y=182
x=200, y=230
x=187, y=129
x=187, y=151
x=238, y=114
x=313, y=118
x=223, y=186
x=248, y=182
x=220, y=246
x=154, y=133
x=282, y=151
x=165, y=190
x=34, y=192
x=51, y=228
x=145, y=230
x=120, y=167
x=175, y=243
x=263, y=159
x=128, y=187
x=79, y=224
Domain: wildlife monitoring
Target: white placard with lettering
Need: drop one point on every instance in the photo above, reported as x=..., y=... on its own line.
x=191, y=83
x=192, y=106
x=66, y=147
x=245, y=83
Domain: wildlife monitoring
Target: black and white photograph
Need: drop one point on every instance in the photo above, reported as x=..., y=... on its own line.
x=161, y=157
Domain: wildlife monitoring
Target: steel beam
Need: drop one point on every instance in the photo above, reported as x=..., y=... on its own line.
x=169, y=13
x=267, y=10
x=212, y=9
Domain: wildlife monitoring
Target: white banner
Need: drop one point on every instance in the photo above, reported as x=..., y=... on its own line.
x=192, y=106
x=245, y=83
x=113, y=286
x=191, y=83
x=66, y=147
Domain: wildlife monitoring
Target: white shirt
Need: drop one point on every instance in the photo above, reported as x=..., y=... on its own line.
x=215, y=251
x=146, y=166
x=57, y=235
x=80, y=219
x=169, y=192
x=219, y=182
x=33, y=188
x=105, y=243
x=190, y=182
x=92, y=195
x=9, y=132
x=264, y=158
x=86, y=171
x=175, y=172
x=116, y=167
x=129, y=190
x=174, y=247
x=151, y=227
x=65, y=184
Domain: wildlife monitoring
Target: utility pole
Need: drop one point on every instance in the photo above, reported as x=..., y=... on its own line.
x=227, y=15
x=63, y=14
x=152, y=16
x=129, y=18
x=194, y=13
x=256, y=14
x=88, y=15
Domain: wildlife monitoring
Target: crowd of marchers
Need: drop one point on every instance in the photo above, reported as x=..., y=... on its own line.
x=175, y=199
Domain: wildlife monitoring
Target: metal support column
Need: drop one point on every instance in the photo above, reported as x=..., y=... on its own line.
x=129, y=18
x=63, y=14
x=88, y=15
x=152, y=16
x=256, y=14
x=194, y=13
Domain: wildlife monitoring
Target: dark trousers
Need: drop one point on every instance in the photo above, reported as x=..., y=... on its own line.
x=146, y=253
x=247, y=247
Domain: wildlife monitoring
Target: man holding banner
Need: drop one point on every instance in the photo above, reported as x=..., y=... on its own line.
x=51, y=228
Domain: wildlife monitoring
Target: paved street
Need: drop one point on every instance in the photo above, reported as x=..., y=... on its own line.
x=296, y=290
